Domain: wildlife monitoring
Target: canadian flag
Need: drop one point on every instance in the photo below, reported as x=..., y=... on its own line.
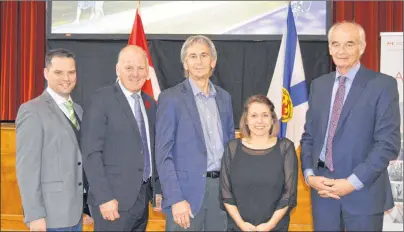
x=138, y=37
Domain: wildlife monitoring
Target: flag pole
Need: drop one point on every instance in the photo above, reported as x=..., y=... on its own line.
x=138, y=4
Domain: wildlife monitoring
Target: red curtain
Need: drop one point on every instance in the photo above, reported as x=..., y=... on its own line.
x=375, y=17
x=22, y=54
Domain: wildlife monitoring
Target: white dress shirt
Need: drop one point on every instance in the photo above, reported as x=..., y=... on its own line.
x=131, y=101
x=60, y=101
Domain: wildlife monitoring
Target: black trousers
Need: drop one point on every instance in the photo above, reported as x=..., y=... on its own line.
x=135, y=219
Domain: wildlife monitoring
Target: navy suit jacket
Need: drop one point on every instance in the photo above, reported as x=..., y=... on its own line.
x=367, y=137
x=181, y=155
x=112, y=149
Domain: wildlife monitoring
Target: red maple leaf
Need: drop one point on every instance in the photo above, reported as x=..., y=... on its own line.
x=147, y=104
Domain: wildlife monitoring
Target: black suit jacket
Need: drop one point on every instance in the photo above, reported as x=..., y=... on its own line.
x=113, y=157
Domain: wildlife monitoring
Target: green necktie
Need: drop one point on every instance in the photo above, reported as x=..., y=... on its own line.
x=72, y=117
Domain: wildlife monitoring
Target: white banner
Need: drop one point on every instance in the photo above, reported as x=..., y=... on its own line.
x=391, y=63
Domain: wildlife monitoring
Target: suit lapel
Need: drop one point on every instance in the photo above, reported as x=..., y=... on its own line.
x=326, y=94
x=150, y=118
x=124, y=104
x=221, y=107
x=190, y=104
x=146, y=103
x=357, y=87
x=54, y=108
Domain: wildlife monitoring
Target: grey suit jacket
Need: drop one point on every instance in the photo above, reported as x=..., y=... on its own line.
x=49, y=170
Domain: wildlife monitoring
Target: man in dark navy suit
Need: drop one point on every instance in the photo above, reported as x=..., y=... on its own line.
x=118, y=147
x=352, y=132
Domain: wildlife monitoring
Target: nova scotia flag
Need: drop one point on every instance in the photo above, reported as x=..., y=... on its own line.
x=288, y=89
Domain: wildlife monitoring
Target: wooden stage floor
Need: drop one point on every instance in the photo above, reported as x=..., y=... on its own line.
x=11, y=210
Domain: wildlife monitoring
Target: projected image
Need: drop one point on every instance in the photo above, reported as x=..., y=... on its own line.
x=187, y=17
x=393, y=219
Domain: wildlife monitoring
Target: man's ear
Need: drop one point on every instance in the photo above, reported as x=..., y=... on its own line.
x=362, y=47
x=213, y=63
x=45, y=73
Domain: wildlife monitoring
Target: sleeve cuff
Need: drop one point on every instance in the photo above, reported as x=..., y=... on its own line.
x=229, y=201
x=157, y=186
x=34, y=217
x=354, y=180
x=286, y=202
x=308, y=172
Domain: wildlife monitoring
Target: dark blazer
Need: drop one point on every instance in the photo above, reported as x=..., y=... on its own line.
x=367, y=137
x=181, y=153
x=112, y=148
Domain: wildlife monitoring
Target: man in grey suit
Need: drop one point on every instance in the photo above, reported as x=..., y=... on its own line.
x=352, y=132
x=49, y=170
x=118, y=147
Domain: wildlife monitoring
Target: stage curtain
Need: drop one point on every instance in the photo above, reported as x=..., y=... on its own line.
x=22, y=54
x=375, y=17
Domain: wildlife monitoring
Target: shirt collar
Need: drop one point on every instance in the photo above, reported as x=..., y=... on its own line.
x=196, y=90
x=58, y=99
x=126, y=92
x=351, y=74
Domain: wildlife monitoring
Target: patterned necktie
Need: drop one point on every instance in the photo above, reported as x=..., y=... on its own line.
x=142, y=130
x=336, y=112
x=72, y=117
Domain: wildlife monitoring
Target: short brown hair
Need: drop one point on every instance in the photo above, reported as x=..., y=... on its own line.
x=259, y=98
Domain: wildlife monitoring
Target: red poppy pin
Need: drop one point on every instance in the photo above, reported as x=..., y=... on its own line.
x=147, y=104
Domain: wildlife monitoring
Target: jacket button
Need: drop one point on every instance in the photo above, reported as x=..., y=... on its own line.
x=79, y=163
x=141, y=152
x=204, y=175
x=80, y=183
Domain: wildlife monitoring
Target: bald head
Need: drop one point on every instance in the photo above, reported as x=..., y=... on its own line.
x=131, y=50
x=349, y=27
x=132, y=68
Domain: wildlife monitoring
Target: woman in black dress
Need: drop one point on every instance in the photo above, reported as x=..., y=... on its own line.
x=258, y=182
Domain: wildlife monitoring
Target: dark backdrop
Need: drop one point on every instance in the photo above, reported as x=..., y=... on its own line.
x=244, y=68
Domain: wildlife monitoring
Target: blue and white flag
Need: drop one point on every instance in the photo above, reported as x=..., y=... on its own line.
x=288, y=89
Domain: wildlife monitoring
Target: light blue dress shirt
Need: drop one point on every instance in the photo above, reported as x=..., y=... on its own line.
x=211, y=124
x=350, y=76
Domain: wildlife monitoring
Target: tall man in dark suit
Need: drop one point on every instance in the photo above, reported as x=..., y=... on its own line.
x=352, y=131
x=49, y=170
x=118, y=147
x=194, y=123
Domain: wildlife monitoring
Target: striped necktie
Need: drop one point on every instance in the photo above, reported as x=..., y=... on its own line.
x=72, y=117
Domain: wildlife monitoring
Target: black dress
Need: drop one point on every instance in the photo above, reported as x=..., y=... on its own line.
x=259, y=182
